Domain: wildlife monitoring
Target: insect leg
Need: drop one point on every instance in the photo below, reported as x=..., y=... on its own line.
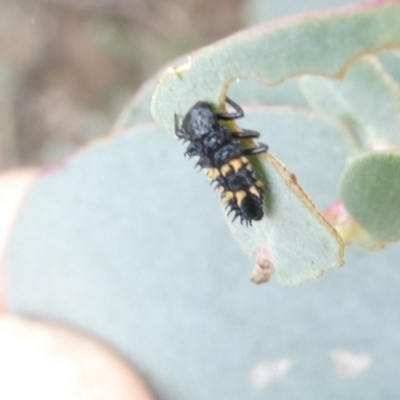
x=246, y=134
x=227, y=116
x=255, y=150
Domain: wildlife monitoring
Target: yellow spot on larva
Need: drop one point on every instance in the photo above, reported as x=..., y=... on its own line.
x=236, y=164
x=213, y=173
x=249, y=167
x=240, y=195
x=227, y=196
x=254, y=191
x=225, y=169
x=259, y=183
x=244, y=160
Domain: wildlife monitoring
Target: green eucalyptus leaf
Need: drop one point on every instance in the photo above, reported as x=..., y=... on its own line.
x=250, y=92
x=367, y=100
x=260, y=10
x=297, y=242
x=370, y=191
x=293, y=237
x=391, y=63
x=312, y=145
x=273, y=52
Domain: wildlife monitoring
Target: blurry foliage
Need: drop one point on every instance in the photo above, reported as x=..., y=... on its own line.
x=259, y=10
x=67, y=67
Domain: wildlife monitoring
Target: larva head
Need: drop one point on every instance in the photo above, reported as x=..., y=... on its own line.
x=199, y=121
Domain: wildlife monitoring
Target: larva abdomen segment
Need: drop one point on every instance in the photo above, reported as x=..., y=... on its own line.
x=240, y=188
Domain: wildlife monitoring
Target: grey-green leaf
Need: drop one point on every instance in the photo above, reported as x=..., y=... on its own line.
x=272, y=53
x=367, y=100
x=370, y=191
x=293, y=237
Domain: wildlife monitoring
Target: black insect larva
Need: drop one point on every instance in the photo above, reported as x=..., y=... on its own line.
x=221, y=152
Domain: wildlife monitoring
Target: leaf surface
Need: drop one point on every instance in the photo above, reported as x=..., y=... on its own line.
x=370, y=191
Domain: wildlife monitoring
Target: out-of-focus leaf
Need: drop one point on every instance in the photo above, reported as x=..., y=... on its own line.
x=370, y=191
x=367, y=100
x=391, y=63
x=259, y=10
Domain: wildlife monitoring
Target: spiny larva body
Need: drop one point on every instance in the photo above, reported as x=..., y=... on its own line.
x=220, y=151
